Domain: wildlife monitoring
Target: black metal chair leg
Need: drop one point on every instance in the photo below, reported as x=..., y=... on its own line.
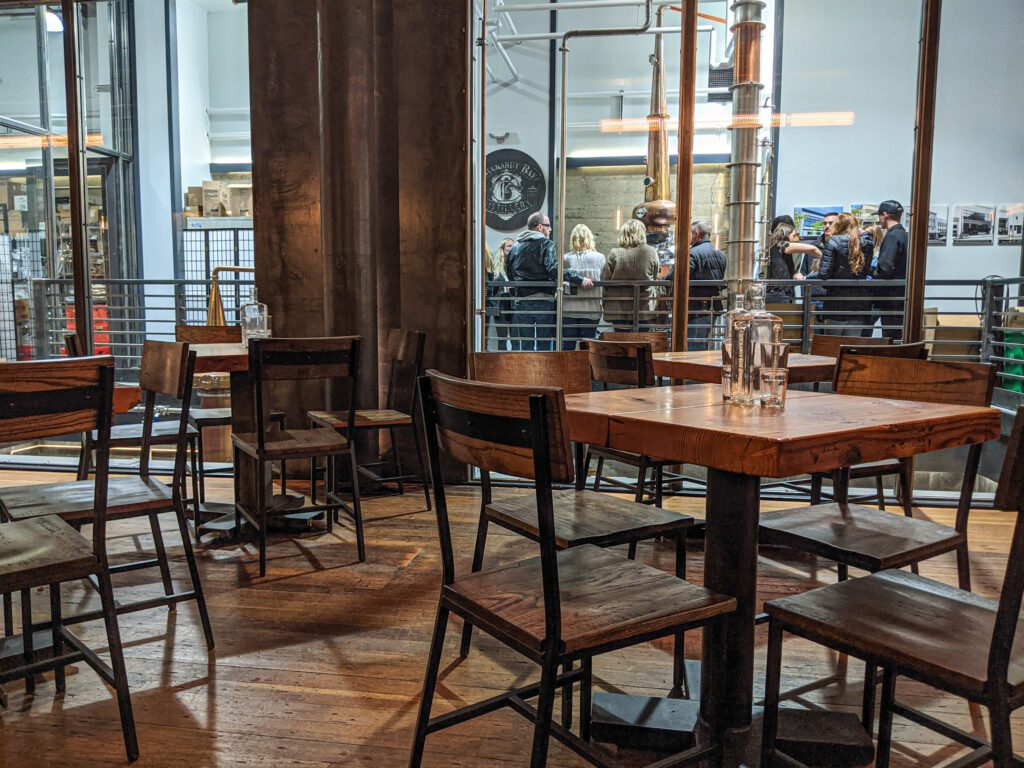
x=843, y=571
x=1002, y=736
x=884, y=748
x=236, y=480
x=124, y=701
x=357, y=509
x=330, y=513
x=8, y=615
x=963, y=566
x=284, y=477
x=56, y=622
x=85, y=458
x=659, y=482
x=424, y=472
x=478, y=564
x=641, y=480
x=907, y=494
x=398, y=462
x=816, y=481
x=880, y=490
x=202, y=469
x=567, y=713
x=261, y=516
x=27, y=638
x=586, y=689
x=598, y=473
x=680, y=682
x=194, y=451
x=312, y=480
x=193, y=570
x=773, y=675
x=545, y=710
x=867, y=712
x=582, y=465
x=429, y=684
x=161, y=558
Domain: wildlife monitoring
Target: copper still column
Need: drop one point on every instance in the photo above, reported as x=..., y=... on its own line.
x=741, y=247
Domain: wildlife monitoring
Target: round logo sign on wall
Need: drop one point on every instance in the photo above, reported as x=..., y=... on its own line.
x=515, y=189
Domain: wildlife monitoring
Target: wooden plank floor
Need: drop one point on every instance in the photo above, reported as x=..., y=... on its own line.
x=320, y=663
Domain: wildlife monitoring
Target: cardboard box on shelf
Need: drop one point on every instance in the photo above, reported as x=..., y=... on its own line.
x=215, y=198
x=192, y=211
x=194, y=198
x=950, y=335
x=240, y=200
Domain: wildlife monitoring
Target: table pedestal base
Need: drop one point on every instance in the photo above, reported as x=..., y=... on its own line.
x=220, y=518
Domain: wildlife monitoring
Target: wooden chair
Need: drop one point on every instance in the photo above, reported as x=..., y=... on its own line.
x=623, y=363
x=946, y=638
x=48, y=399
x=403, y=363
x=562, y=607
x=902, y=468
x=658, y=340
x=871, y=539
x=580, y=517
x=828, y=346
x=211, y=418
x=167, y=370
x=73, y=345
x=333, y=358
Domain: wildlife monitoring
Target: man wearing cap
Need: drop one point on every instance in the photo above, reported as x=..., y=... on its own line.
x=892, y=265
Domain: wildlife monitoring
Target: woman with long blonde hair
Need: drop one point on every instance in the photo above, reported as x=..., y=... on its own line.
x=634, y=260
x=581, y=310
x=845, y=257
x=498, y=300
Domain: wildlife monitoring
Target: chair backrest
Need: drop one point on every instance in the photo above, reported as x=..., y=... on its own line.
x=402, y=364
x=57, y=397
x=73, y=345
x=568, y=370
x=929, y=381
x=659, y=340
x=1010, y=496
x=334, y=358
x=168, y=369
x=828, y=346
x=208, y=334
x=620, y=362
x=917, y=351
x=520, y=431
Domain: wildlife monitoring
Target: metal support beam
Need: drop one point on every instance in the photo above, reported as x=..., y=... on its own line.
x=684, y=173
x=76, y=179
x=924, y=139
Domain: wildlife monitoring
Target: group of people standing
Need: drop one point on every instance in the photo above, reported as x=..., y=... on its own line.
x=845, y=251
x=523, y=274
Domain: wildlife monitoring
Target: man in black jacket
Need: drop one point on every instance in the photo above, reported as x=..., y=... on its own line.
x=533, y=260
x=892, y=265
x=706, y=263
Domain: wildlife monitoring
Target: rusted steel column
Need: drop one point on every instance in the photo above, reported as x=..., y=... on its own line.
x=684, y=174
x=359, y=181
x=924, y=140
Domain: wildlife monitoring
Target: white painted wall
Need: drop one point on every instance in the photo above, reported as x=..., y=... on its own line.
x=193, y=92
x=228, y=73
x=979, y=150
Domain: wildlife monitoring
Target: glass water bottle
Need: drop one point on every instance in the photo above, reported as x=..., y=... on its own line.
x=765, y=328
x=736, y=374
x=255, y=319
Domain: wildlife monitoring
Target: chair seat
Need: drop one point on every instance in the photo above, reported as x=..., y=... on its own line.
x=606, y=599
x=588, y=517
x=164, y=433
x=364, y=419
x=73, y=502
x=292, y=443
x=200, y=418
x=41, y=551
x=858, y=536
x=930, y=631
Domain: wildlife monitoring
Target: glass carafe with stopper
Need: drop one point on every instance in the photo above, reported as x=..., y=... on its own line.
x=765, y=329
x=255, y=319
x=736, y=374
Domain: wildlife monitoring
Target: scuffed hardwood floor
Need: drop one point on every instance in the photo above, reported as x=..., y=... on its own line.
x=320, y=663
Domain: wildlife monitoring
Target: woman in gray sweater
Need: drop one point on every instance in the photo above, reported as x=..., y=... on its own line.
x=633, y=260
x=581, y=309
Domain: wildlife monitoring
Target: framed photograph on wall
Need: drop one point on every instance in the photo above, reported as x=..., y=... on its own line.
x=973, y=224
x=938, y=224
x=1009, y=224
x=865, y=213
x=810, y=221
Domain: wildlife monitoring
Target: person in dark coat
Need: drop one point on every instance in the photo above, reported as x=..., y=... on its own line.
x=784, y=255
x=892, y=265
x=843, y=257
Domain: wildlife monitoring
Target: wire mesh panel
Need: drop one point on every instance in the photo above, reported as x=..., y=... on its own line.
x=203, y=251
x=8, y=334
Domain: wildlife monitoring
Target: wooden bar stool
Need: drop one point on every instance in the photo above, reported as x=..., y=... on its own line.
x=564, y=606
x=331, y=358
x=167, y=370
x=624, y=363
x=49, y=399
x=210, y=418
x=947, y=638
x=403, y=361
x=863, y=537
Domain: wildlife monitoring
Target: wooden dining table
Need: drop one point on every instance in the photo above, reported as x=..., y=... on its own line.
x=706, y=366
x=739, y=445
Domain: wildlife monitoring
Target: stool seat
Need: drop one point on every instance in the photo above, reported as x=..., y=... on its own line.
x=932, y=632
x=200, y=418
x=292, y=443
x=73, y=501
x=43, y=550
x=587, y=517
x=605, y=598
x=164, y=433
x=364, y=419
x=858, y=536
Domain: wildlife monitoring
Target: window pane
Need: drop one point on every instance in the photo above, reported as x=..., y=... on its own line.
x=106, y=82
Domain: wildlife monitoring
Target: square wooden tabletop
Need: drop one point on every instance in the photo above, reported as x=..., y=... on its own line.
x=816, y=432
x=706, y=366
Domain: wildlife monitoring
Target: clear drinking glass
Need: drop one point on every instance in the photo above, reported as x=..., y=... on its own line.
x=726, y=372
x=773, y=387
x=774, y=354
